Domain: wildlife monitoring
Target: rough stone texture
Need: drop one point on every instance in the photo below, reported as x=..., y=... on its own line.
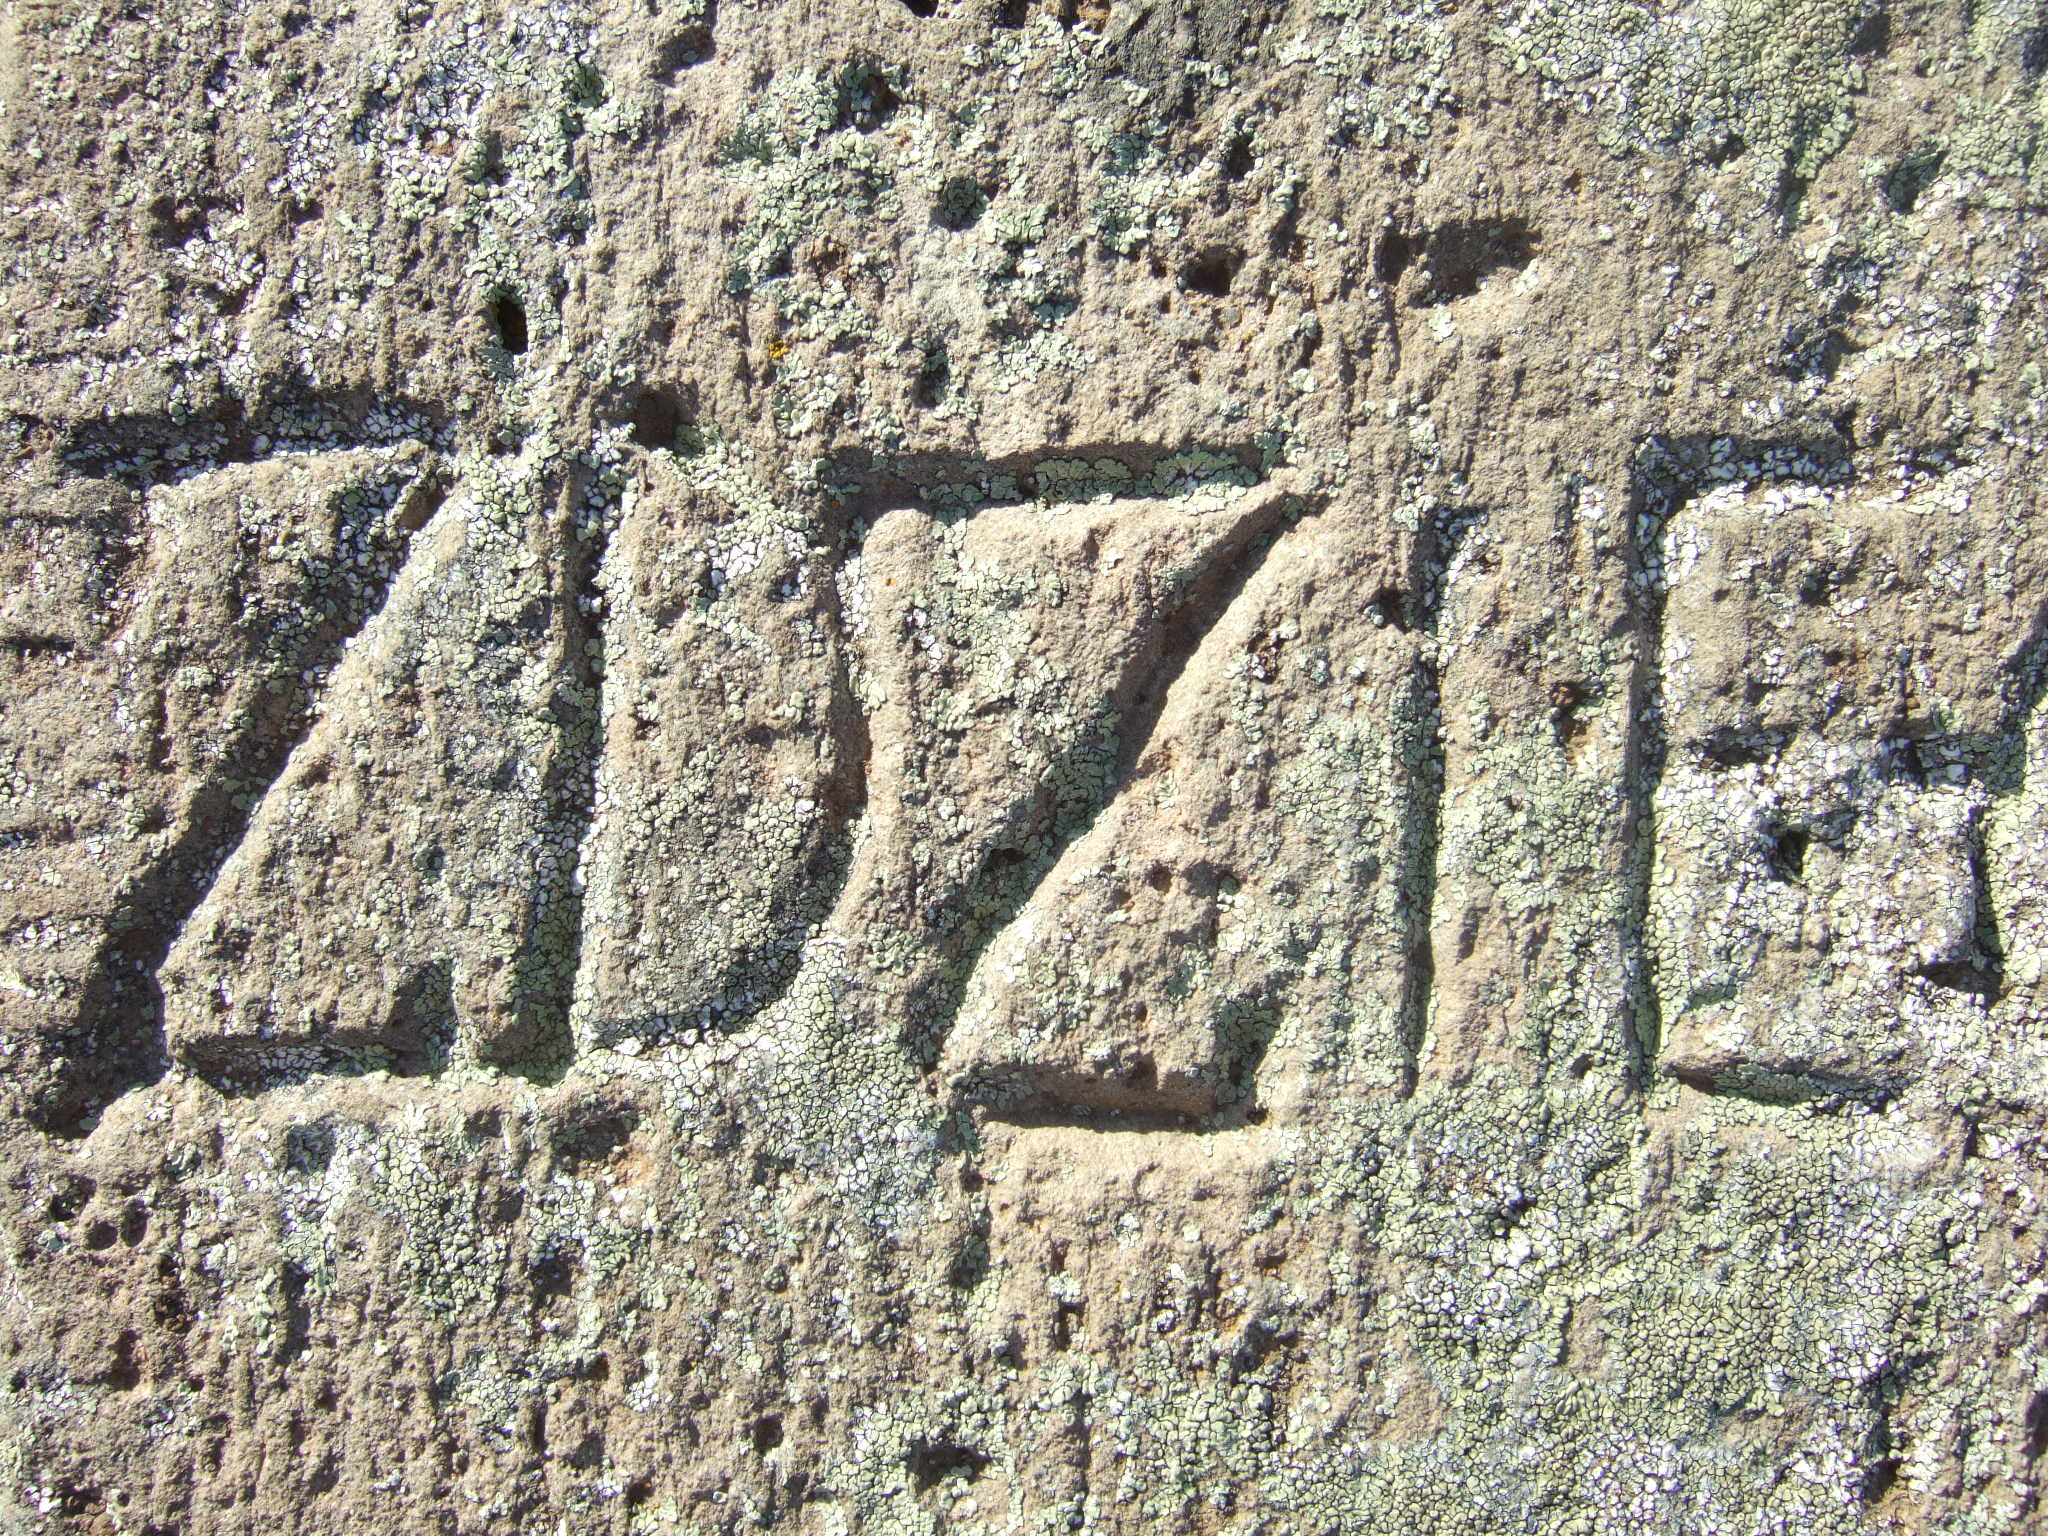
x=1023, y=766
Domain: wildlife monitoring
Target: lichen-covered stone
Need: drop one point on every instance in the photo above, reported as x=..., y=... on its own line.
x=1023, y=766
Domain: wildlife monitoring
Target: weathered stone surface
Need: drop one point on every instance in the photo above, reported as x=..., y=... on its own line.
x=1023, y=766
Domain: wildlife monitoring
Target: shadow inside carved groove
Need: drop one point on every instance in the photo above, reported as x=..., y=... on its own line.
x=1762, y=1086
x=863, y=485
x=1422, y=818
x=1046, y=1111
x=226, y=1067
x=1453, y=260
x=760, y=975
x=542, y=1046
x=145, y=450
x=1058, y=1101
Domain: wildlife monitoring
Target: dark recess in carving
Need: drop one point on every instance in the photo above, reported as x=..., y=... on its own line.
x=933, y=1460
x=692, y=45
x=508, y=323
x=1460, y=256
x=1212, y=271
x=659, y=418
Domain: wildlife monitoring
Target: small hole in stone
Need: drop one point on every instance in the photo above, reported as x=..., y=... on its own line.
x=1463, y=255
x=309, y=1148
x=1728, y=151
x=508, y=322
x=1915, y=172
x=1873, y=35
x=657, y=418
x=176, y=223
x=961, y=203
x=124, y=1371
x=1063, y=1319
x=1238, y=159
x=1390, y=605
x=692, y=45
x=551, y=1276
x=100, y=1236
x=1968, y=977
x=594, y=1138
x=1565, y=699
x=969, y=1267
x=921, y=7
x=1788, y=854
x=70, y=1199
x=1012, y=13
x=766, y=1433
x=1730, y=750
x=931, y=1461
x=1395, y=255
x=866, y=98
x=1212, y=271
x=934, y=377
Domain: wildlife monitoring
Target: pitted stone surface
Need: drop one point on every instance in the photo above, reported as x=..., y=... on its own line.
x=1023, y=766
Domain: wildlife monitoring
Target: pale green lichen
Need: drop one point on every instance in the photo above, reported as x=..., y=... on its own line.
x=1716, y=79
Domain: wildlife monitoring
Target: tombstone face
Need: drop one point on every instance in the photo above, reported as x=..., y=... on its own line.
x=1023, y=766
